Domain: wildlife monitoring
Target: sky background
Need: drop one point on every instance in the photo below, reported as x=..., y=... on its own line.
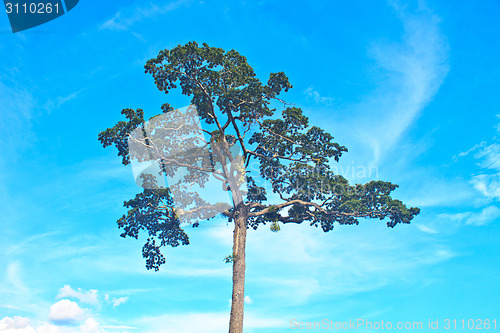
x=409, y=87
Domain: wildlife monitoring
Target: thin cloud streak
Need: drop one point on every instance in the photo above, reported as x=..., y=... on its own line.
x=122, y=21
x=485, y=216
x=416, y=68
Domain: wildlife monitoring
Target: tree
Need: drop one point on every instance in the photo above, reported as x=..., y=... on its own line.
x=292, y=156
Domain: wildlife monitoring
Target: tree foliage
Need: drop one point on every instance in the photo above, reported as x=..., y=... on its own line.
x=293, y=156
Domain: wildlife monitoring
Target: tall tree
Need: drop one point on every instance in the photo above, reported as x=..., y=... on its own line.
x=293, y=157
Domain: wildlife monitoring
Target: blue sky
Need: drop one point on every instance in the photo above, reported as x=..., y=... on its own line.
x=409, y=87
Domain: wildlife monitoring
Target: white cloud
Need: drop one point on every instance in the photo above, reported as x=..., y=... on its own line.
x=119, y=301
x=48, y=328
x=487, y=185
x=25, y=245
x=89, y=297
x=488, y=181
x=348, y=260
x=16, y=325
x=14, y=276
x=65, y=312
x=314, y=95
x=90, y=326
x=124, y=20
x=425, y=229
x=486, y=216
x=458, y=217
x=53, y=104
x=476, y=147
x=490, y=155
x=9, y=306
x=117, y=23
x=413, y=72
x=23, y=325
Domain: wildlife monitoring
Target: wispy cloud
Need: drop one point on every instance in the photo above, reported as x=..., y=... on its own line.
x=17, y=287
x=123, y=20
x=119, y=301
x=413, y=69
x=56, y=103
x=89, y=297
x=26, y=244
x=316, y=97
x=16, y=115
x=483, y=217
x=9, y=306
x=426, y=229
x=14, y=277
x=487, y=180
x=465, y=153
x=343, y=262
x=486, y=216
x=487, y=185
x=490, y=156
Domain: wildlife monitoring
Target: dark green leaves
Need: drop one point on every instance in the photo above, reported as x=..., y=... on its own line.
x=213, y=78
x=153, y=211
x=118, y=135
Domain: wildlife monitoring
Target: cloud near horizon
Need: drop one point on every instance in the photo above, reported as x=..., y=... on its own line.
x=66, y=316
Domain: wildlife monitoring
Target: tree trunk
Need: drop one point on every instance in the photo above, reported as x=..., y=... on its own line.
x=239, y=241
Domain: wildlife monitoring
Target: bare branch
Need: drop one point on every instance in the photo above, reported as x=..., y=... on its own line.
x=318, y=208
